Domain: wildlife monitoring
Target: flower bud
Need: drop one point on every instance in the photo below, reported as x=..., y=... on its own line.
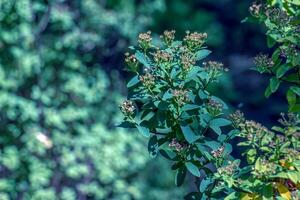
x=255, y=9
x=194, y=41
x=178, y=146
x=144, y=40
x=181, y=96
x=148, y=80
x=168, y=37
x=187, y=61
x=127, y=108
x=131, y=62
x=214, y=107
x=263, y=62
x=162, y=56
x=214, y=69
x=219, y=152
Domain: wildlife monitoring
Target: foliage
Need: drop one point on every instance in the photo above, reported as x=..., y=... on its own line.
x=283, y=34
x=57, y=106
x=169, y=102
x=273, y=157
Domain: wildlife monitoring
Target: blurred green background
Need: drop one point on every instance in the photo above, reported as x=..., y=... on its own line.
x=62, y=78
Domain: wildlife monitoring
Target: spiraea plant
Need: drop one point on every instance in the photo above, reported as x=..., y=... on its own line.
x=169, y=102
x=281, y=19
x=272, y=170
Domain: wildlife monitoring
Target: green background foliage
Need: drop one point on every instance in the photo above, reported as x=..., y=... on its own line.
x=58, y=105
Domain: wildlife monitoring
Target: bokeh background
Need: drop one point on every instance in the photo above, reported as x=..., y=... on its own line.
x=62, y=78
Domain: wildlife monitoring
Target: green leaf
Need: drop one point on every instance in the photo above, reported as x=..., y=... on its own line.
x=295, y=108
x=142, y=59
x=220, y=122
x=188, y=107
x=294, y=176
x=268, y=91
x=282, y=69
x=296, y=2
x=276, y=55
x=220, y=101
x=167, y=154
x=277, y=128
x=215, y=124
x=162, y=105
x=147, y=115
x=296, y=90
x=296, y=60
x=180, y=176
x=204, y=185
x=193, y=169
x=174, y=73
x=202, y=54
x=163, y=130
x=153, y=146
x=167, y=95
x=270, y=41
x=291, y=98
x=216, y=129
x=126, y=124
x=189, y=134
x=228, y=149
x=214, y=145
x=143, y=130
x=274, y=84
x=232, y=196
x=251, y=155
x=267, y=192
x=194, y=72
x=135, y=80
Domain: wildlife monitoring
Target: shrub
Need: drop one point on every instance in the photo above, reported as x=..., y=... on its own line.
x=283, y=36
x=170, y=103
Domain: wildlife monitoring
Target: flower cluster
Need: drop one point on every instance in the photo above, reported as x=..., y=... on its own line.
x=181, y=96
x=162, y=56
x=194, y=41
x=286, y=51
x=264, y=168
x=168, y=37
x=144, y=40
x=214, y=69
x=237, y=118
x=148, y=80
x=255, y=9
x=294, y=154
x=187, y=61
x=214, y=107
x=253, y=130
x=229, y=169
x=131, y=62
x=278, y=16
x=263, y=62
x=178, y=146
x=127, y=108
x=291, y=119
x=218, y=152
